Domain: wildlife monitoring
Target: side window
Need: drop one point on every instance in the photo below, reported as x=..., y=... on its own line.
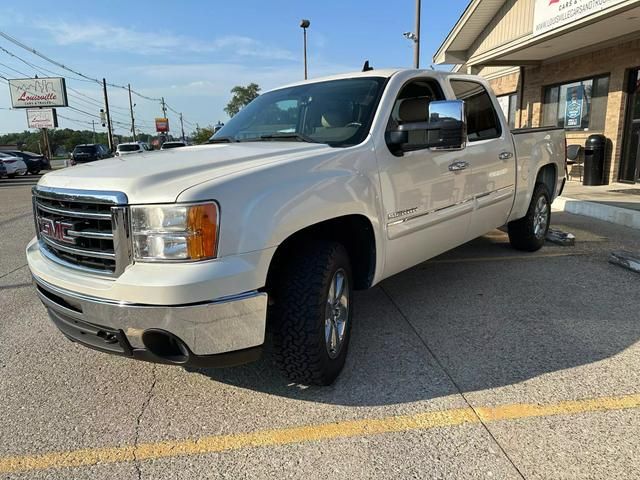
x=482, y=120
x=411, y=106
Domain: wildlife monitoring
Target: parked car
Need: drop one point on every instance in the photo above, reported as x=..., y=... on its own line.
x=132, y=147
x=284, y=215
x=89, y=152
x=35, y=162
x=14, y=165
x=173, y=144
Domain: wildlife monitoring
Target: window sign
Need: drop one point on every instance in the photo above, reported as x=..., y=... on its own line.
x=581, y=104
x=573, y=110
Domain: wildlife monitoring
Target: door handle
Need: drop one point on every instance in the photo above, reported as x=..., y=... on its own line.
x=457, y=166
x=505, y=155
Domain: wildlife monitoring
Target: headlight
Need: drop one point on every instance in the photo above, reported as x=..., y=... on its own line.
x=175, y=232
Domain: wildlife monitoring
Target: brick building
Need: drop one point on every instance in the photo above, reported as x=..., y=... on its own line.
x=566, y=63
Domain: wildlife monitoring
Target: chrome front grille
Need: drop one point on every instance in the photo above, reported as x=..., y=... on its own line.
x=83, y=229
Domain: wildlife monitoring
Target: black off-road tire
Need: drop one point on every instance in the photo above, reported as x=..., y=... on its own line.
x=297, y=318
x=522, y=232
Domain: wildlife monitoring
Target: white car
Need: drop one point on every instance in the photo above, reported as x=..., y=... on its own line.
x=131, y=147
x=14, y=165
x=173, y=144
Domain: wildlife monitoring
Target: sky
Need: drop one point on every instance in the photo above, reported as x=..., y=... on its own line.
x=193, y=52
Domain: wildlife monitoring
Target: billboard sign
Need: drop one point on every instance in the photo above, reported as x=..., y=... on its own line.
x=162, y=124
x=38, y=92
x=551, y=14
x=42, y=118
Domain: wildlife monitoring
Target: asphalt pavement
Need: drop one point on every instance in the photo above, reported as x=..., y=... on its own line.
x=483, y=363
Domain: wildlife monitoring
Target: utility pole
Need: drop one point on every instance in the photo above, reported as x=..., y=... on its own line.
x=164, y=108
x=133, y=124
x=93, y=127
x=47, y=144
x=416, y=44
x=182, y=127
x=106, y=111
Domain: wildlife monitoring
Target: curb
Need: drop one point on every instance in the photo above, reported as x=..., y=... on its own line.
x=620, y=216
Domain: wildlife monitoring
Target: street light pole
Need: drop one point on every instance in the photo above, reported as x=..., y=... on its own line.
x=416, y=43
x=304, y=24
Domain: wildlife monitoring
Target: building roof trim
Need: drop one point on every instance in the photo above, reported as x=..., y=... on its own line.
x=469, y=26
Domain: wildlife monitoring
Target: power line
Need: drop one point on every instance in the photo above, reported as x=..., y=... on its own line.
x=39, y=68
x=17, y=42
x=82, y=76
x=42, y=70
x=44, y=57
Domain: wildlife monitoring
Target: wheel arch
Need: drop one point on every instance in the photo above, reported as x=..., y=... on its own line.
x=355, y=232
x=548, y=176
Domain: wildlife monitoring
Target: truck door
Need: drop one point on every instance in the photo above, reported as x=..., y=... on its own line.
x=427, y=205
x=491, y=157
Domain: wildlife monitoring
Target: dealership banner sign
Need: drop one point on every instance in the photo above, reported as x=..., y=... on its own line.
x=42, y=118
x=551, y=14
x=38, y=92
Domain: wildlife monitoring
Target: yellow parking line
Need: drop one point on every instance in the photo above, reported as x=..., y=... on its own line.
x=327, y=431
x=506, y=257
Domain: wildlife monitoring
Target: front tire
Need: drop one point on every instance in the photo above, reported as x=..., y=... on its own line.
x=311, y=317
x=529, y=232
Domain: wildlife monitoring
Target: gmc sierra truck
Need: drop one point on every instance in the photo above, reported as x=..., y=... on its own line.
x=313, y=190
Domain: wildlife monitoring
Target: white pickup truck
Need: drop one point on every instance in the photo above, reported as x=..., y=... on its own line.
x=189, y=256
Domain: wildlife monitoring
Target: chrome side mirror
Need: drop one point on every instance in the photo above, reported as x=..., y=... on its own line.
x=447, y=125
x=445, y=129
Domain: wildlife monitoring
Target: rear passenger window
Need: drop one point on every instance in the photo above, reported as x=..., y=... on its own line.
x=482, y=119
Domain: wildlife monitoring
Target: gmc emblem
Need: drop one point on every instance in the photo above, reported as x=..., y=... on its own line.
x=56, y=230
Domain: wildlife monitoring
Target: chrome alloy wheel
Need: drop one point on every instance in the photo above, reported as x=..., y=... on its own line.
x=541, y=217
x=337, y=313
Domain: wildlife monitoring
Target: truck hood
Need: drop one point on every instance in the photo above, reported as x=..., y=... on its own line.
x=160, y=176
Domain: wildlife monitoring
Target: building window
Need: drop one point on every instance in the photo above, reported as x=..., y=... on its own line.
x=509, y=105
x=576, y=105
x=482, y=119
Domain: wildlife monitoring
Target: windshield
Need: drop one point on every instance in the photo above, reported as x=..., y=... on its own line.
x=128, y=148
x=336, y=112
x=85, y=149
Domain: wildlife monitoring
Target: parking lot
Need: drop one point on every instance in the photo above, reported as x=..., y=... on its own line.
x=482, y=363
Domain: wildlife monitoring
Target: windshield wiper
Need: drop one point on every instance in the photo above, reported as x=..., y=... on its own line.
x=286, y=136
x=223, y=140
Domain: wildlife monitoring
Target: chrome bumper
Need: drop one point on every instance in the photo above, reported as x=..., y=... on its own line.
x=207, y=329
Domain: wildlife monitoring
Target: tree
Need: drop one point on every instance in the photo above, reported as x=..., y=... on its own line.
x=202, y=135
x=241, y=97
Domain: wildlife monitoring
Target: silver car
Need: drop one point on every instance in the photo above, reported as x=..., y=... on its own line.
x=14, y=165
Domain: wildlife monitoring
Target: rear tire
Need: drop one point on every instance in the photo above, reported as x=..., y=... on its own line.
x=311, y=315
x=529, y=232
x=35, y=172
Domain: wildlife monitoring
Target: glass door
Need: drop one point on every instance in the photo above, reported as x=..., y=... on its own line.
x=630, y=165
